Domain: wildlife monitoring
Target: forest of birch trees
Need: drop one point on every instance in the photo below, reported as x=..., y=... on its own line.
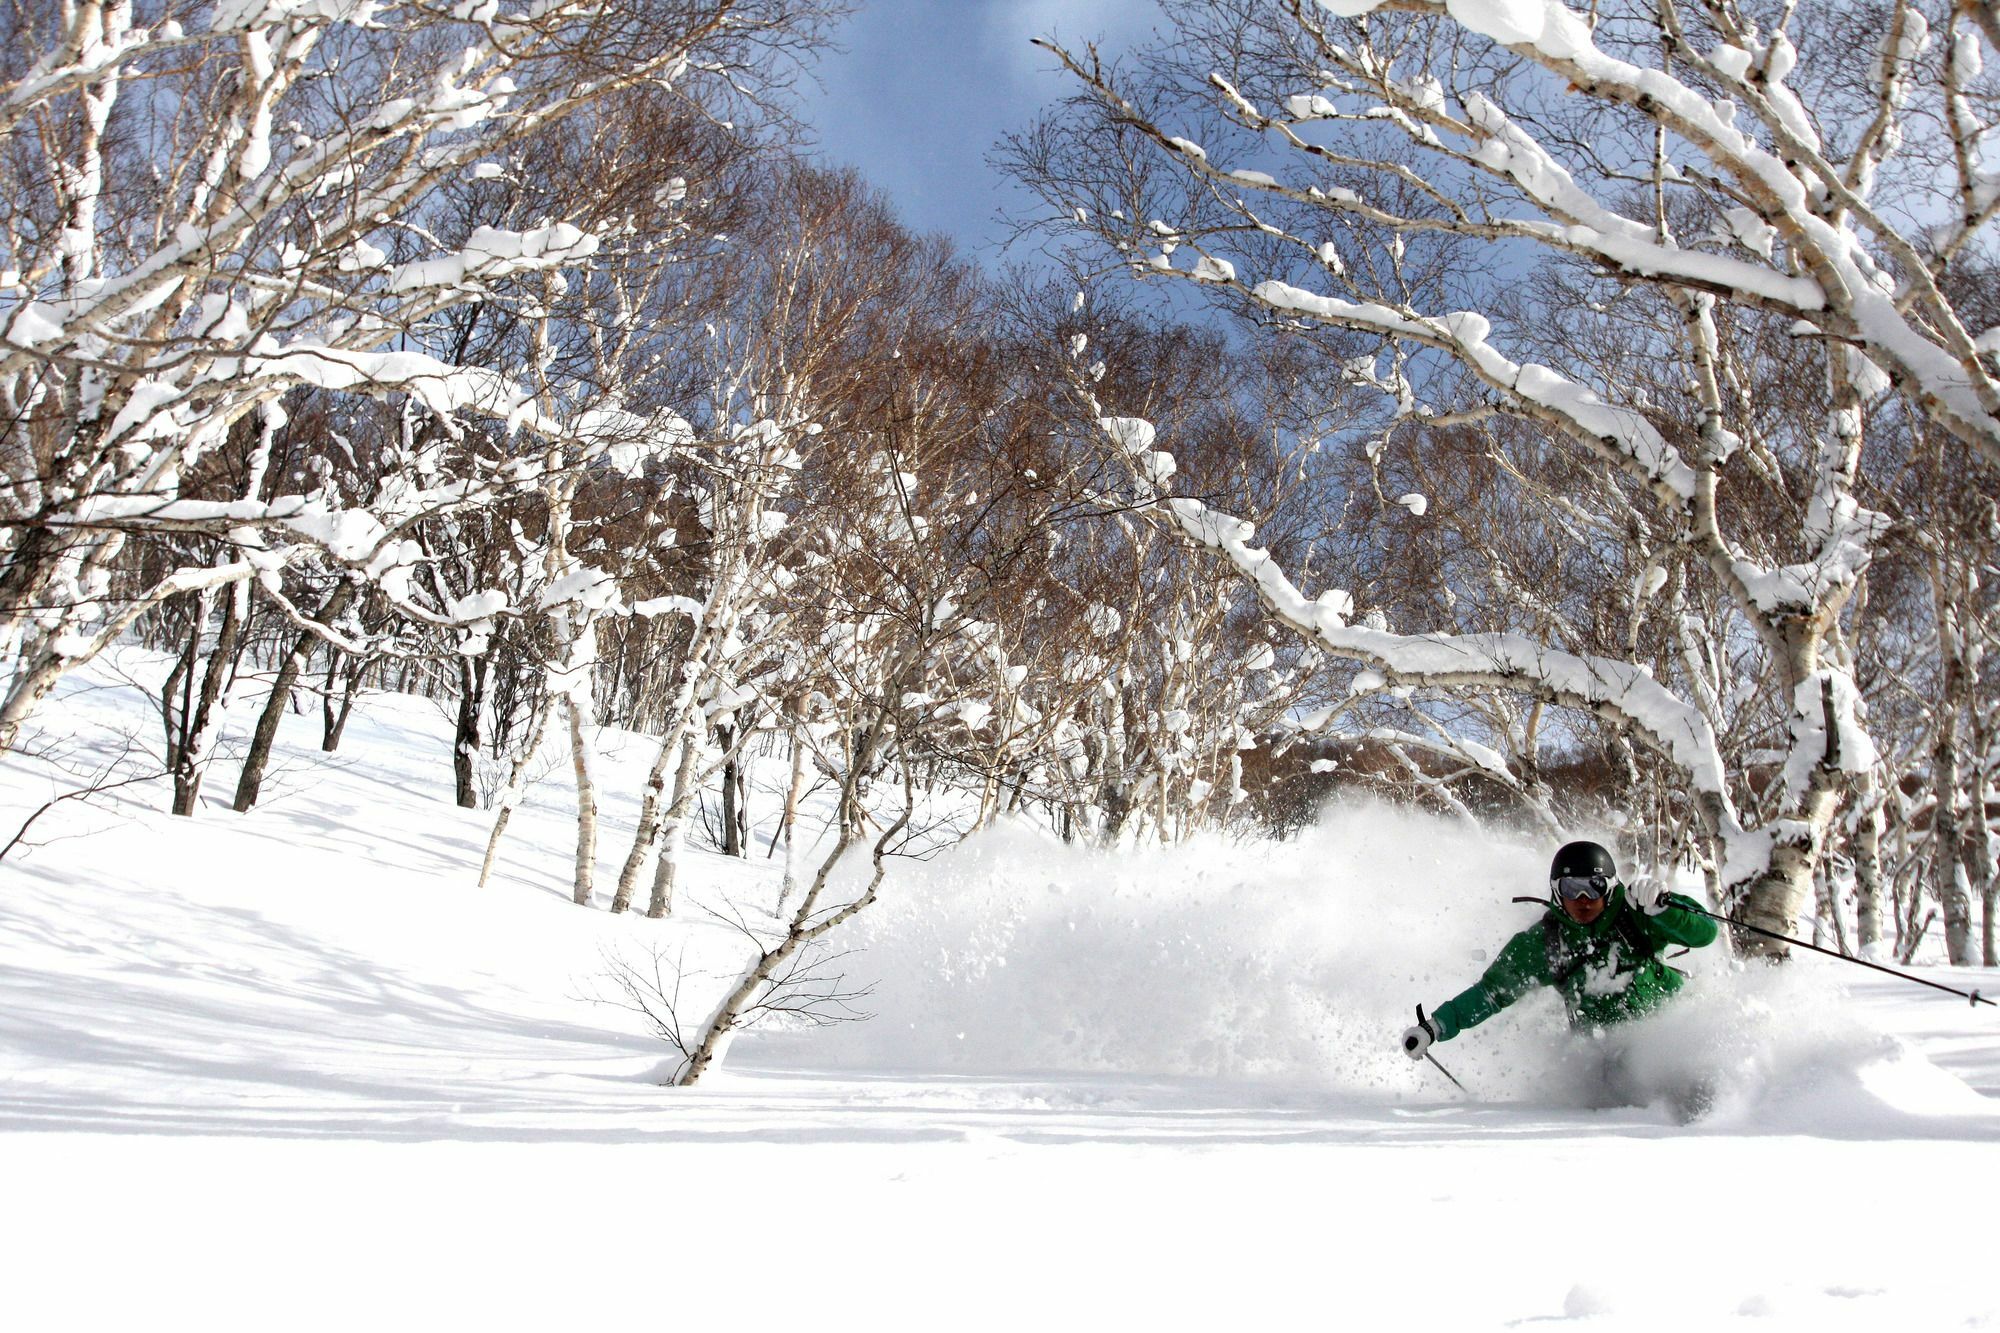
x=1572, y=423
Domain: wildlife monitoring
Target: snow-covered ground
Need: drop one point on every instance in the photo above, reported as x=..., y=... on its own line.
x=294, y=1070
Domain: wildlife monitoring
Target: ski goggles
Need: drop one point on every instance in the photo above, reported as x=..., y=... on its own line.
x=1581, y=888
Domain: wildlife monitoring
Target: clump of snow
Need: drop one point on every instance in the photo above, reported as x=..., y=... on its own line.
x=1102, y=621
x=494, y=252
x=1262, y=180
x=1132, y=434
x=1505, y=21
x=1756, y=235
x=1211, y=269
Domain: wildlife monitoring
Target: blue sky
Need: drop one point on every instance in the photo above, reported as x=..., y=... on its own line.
x=924, y=88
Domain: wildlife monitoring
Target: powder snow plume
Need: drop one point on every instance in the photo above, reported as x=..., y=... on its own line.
x=1295, y=963
x=1284, y=961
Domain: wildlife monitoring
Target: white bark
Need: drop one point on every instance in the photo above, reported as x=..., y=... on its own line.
x=672, y=831
x=510, y=795
x=586, y=804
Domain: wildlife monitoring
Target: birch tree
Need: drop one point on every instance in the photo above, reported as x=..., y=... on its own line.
x=211, y=206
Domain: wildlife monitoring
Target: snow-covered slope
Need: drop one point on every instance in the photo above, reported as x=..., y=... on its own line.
x=293, y=1070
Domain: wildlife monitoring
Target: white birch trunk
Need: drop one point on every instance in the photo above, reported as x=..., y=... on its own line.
x=672, y=836
x=1868, y=873
x=510, y=796
x=586, y=804
x=790, y=819
x=802, y=928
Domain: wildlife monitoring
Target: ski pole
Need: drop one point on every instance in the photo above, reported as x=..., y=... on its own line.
x=1446, y=1072
x=1423, y=1022
x=1972, y=995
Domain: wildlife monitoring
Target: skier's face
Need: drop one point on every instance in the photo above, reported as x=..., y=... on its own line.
x=1582, y=896
x=1583, y=911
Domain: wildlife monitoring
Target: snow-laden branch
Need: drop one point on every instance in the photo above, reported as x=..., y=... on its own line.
x=1626, y=435
x=132, y=345
x=1886, y=302
x=1623, y=691
x=1820, y=211
x=1511, y=661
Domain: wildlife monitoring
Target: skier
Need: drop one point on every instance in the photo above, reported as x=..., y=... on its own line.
x=1599, y=944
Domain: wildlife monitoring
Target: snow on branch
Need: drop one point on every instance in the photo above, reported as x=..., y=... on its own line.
x=1621, y=690
x=1624, y=434
x=1819, y=249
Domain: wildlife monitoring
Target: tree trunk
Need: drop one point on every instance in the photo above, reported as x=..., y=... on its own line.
x=742, y=781
x=1710, y=856
x=510, y=795
x=465, y=737
x=1903, y=907
x=26, y=692
x=671, y=834
x=586, y=804
x=179, y=682
x=251, y=781
x=788, y=821
x=335, y=719
x=25, y=577
x=1988, y=957
x=1827, y=911
x=610, y=710
x=1978, y=866
x=802, y=929
x=1975, y=846
x=1774, y=899
x=1868, y=876
x=201, y=727
x=1954, y=698
x=1947, y=859
x=680, y=720
x=732, y=842
x=989, y=798
x=30, y=568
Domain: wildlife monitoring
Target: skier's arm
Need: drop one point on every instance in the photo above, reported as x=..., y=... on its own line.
x=1682, y=921
x=1523, y=964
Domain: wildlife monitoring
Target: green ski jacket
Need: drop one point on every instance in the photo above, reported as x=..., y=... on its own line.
x=1607, y=971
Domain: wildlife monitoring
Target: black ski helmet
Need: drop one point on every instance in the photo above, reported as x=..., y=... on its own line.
x=1582, y=860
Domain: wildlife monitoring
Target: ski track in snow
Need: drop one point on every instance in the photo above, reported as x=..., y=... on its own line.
x=294, y=1070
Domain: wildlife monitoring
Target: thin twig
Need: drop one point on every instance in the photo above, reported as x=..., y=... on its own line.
x=54, y=801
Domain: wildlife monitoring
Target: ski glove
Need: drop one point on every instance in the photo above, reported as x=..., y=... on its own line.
x=1418, y=1039
x=1647, y=894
